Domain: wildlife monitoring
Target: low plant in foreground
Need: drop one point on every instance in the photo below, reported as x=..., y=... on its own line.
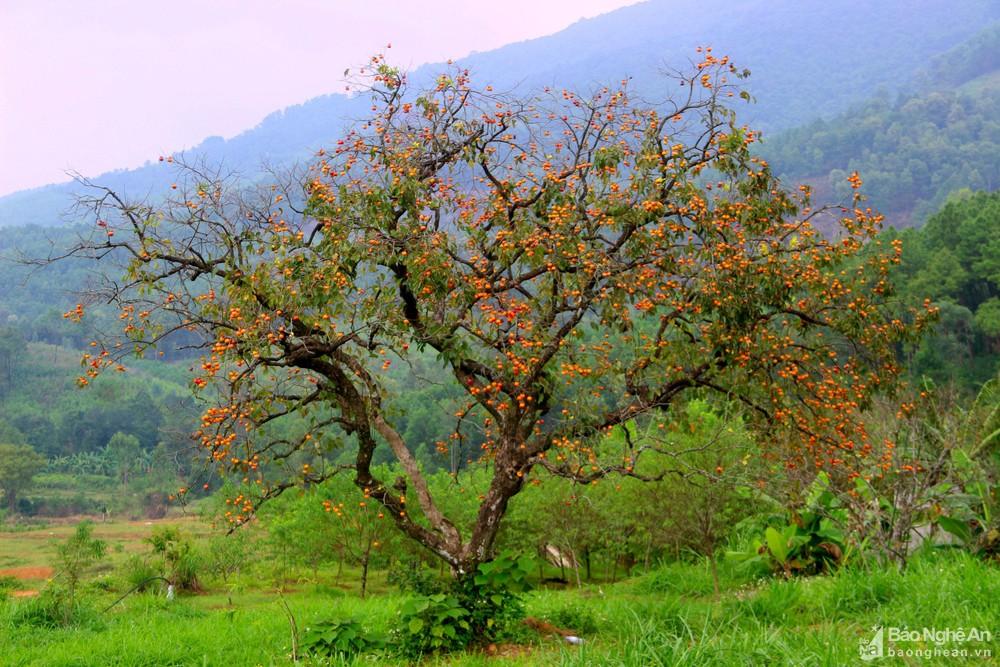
x=480, y=607
x=338, y=638
x=433, y=623
x=807, y=541
x=494, y=595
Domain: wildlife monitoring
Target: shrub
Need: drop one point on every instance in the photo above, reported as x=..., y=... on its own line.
x=73, y=558
x=493, y=595
x=102, y=583
x=140, y=574
x=52, y=609
x=44, y=611
x=482, y=606
x=182, y=562
x=331, y=639
x=807, y=541
x=433, y=623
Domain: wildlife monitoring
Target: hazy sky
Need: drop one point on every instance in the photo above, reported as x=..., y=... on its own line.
x=102, y=84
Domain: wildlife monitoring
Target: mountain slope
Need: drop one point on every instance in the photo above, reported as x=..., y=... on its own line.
x=810, y=58
x=913, y=150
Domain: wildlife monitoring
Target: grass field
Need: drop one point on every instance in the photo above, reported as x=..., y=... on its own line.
x=669, y=616
x=35, y=545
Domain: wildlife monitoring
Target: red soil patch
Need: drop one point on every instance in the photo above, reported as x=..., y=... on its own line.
x=546, y=628
x=40, y=572
x=24, y=594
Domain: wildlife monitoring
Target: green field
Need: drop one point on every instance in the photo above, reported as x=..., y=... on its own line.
x=669, y=616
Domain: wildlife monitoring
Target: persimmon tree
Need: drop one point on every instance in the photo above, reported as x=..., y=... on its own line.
x=362, y=529
x=575, y=262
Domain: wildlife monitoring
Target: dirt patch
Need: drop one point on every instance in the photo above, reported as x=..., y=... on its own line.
x=24, y=594
x=547, y=629
x=28, y=573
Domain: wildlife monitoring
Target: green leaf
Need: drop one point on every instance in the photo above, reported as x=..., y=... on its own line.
x=777, y=544
x=957, y=528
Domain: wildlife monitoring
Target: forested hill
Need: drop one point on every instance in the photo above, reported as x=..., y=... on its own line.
x=915, y=148
x=810, y=58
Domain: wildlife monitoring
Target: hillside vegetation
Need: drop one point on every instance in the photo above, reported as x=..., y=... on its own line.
x=913, y=148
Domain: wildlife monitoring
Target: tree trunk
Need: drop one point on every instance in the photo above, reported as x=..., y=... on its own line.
x=508, y=480
x=710, y=549
x=364, y=575
x=576, y=568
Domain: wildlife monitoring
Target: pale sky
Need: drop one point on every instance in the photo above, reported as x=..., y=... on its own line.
x=94, y=85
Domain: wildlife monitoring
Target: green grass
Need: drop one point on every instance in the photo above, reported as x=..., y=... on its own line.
x=642, y=622
x=34, y=545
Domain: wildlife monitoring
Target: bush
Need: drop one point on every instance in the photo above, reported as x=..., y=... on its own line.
x=44, y=611
x=493, y=595
x=433, y=623
x=483, y=607
x=185, y=569
x=62, y=506
x=332, y=639
x=140, y=574
x=182, y=562
x=804, y=542
x=52, y=609
x=73, y=559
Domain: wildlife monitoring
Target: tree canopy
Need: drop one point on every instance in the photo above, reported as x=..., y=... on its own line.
x=18, y=466
x=955, y=260
x=576, y=262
